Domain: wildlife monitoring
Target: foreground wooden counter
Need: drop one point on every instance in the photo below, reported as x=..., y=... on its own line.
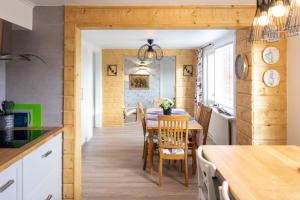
x=258, y=172
x=9, y=156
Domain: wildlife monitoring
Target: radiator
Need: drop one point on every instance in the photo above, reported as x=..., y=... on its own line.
x=221, y=128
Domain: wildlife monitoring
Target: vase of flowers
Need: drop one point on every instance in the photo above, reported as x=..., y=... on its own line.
x=167, y=105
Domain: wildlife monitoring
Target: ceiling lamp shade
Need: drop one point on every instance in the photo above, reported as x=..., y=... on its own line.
x=144, y=63
x=275, y=19
x=258, y=25
x=278, y=17
x=150, y=51
x=293, y=22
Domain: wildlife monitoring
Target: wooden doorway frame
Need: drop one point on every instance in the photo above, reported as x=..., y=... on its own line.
x=91, y=17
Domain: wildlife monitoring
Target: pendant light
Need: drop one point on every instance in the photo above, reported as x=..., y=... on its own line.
x=279, y=8
x=150, y=51
x=259, y=22
x=275, y=19
x=278, y=15
x=293, y=23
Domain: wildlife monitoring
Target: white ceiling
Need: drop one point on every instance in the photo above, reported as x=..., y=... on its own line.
x=140, y=2
x=168, y=39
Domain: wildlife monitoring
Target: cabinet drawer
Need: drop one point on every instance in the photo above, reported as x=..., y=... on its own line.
x=10, y=180
x=40, y=163
x=49, y=189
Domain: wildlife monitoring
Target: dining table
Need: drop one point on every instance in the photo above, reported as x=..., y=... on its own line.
x=152, y=127
x=258, y=172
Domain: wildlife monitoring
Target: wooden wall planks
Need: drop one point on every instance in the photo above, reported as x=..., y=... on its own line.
x=85, y=17
x=261, y=110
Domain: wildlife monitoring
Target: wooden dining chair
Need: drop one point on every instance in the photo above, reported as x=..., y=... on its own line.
x=146, y=136
x=197, y=118
x=198, y=111
x=140, y=108
x=206, y=171
x=173, y=141
x=204, y=120
x=143, y=122
x=223, y=191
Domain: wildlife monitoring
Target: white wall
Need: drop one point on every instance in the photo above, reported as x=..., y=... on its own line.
x=293, y=95
x=98, y=88
x=2, y=80
x=87, y=85
x=19, y=12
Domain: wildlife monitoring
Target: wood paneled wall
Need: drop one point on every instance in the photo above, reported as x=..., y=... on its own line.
x=261, y=110
x=244, y=92
x=88, y=17
x=113, y=86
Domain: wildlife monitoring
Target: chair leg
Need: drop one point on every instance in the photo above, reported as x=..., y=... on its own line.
x=170, y=164
x=160, y=171
x=143, y=150
x=146, y=155
x=181, y=164
x=204, y=139
x=186, y=171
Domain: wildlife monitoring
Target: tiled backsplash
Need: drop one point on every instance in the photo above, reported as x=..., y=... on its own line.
x=2, y=81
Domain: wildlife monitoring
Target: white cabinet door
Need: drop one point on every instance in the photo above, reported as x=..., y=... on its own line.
x=38, y=166
x=48, y=188
x=11, y=182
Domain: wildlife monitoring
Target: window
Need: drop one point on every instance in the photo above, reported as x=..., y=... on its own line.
x=219, y=77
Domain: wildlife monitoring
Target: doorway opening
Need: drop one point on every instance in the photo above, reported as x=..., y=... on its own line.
x=173, y=77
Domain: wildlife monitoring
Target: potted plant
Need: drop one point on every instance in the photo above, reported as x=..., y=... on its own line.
x=6, y=115
x=167, y=105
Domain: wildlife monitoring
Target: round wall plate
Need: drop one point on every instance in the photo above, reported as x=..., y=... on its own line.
x=271, y=55
x=241, y=67
x=272, y=78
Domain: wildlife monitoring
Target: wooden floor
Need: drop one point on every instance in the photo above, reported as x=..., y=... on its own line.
x=112, y=169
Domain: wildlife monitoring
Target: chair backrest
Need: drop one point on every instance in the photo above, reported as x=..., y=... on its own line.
x=198, y=111
x=156, y=103
x=223, y=191
x=140, y=106
x=142, y=118
x=172, y=132
x=206, y=173
x=204, y=118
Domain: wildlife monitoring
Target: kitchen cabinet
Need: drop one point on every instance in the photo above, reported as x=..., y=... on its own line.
x=38, y=176
x=11, y=182
x=38, y=165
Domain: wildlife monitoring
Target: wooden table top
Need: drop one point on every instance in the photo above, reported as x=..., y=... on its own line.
x=151, y=123
x=9, y=156
x=258, y=172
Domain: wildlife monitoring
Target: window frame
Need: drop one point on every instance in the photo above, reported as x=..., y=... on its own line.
x=227, y=40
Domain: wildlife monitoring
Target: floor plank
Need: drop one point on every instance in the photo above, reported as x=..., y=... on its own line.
x=112, y=169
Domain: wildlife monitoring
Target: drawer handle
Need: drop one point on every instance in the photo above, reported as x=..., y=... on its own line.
x=49, y=197
x=6, y=185
x=47, y=154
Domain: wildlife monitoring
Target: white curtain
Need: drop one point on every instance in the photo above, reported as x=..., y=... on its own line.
x=199, y=80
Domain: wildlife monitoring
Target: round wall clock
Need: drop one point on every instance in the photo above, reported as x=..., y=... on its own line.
x=241, y=67
x=271, y=55
x=272, y=78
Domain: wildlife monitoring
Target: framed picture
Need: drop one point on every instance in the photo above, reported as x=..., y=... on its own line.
x=138, y=82
x=187, y=70
x=112, y=70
